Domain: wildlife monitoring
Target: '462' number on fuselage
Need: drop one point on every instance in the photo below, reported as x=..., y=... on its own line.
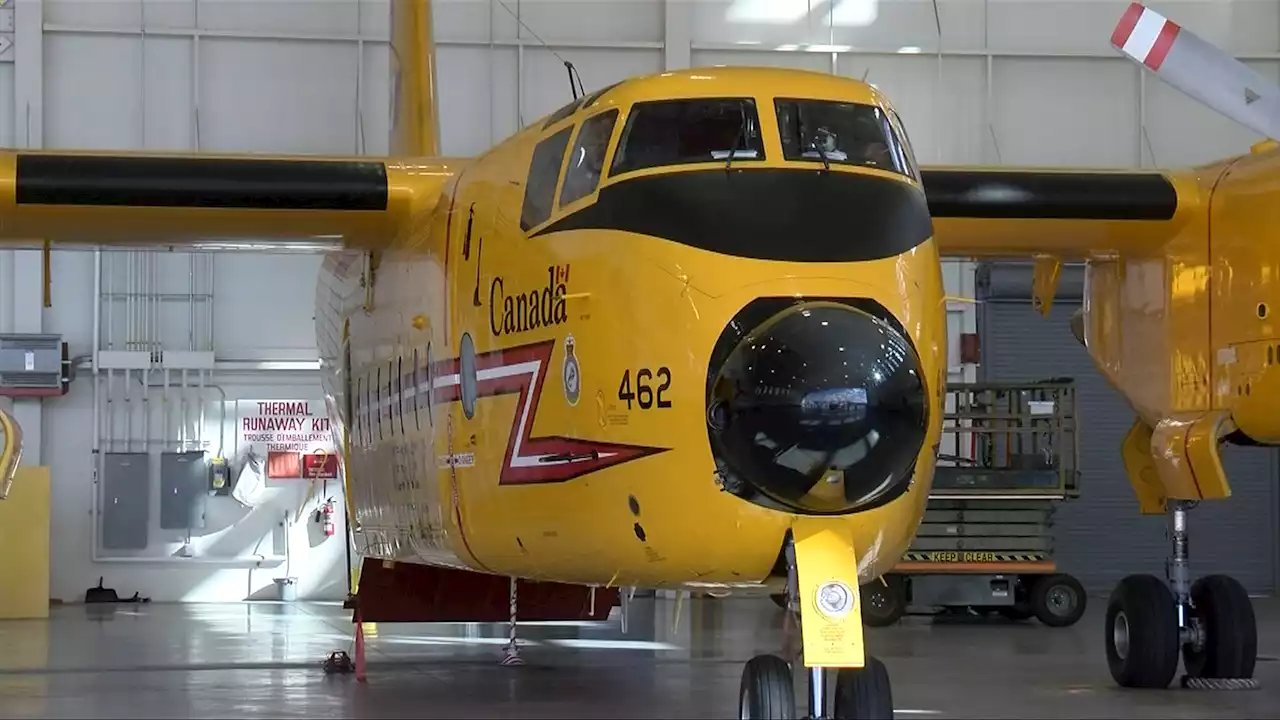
x=647, y=394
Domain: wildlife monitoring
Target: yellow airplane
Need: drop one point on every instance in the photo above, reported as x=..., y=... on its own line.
x=10, y=451
x=688, y=332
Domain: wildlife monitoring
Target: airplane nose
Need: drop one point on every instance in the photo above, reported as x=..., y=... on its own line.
x=820, y=408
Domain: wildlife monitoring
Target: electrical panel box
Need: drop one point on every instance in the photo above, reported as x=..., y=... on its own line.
x=219, y=476
x=34, y=365
x=125, y=501
x=184, y=483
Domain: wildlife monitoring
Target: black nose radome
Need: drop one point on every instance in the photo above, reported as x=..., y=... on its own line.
x=820, y=407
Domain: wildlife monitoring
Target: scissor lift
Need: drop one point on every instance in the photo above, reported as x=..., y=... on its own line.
x=1008, y=456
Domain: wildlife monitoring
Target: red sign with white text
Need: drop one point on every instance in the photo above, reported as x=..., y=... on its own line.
x=288, y=434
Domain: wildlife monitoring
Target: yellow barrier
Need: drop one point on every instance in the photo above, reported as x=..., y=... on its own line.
x=24, y=546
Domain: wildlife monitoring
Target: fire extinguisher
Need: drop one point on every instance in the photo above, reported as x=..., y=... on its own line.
x=326, y=515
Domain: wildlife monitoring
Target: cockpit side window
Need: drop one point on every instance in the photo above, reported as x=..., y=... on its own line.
x=586, y=163
x=905, y=142
x=845, y=133
x=544, y=173
x=676, y=132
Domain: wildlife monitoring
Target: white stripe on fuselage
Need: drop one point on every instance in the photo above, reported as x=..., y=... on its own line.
x=529, y=368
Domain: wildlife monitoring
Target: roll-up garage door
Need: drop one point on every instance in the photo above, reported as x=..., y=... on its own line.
x=1101, y=537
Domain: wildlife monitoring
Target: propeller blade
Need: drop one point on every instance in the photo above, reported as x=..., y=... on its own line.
x=1199, y=69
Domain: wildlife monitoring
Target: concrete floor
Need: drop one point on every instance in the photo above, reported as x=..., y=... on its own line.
x=263, y=660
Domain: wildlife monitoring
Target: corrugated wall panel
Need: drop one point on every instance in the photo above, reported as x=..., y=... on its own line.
x=1100, y=537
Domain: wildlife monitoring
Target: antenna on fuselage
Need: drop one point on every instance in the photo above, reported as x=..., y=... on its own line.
x=577, y=90
x=937, y=23
x=568, y=65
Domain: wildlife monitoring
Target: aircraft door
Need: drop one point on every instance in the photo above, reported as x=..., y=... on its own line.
x=456, y=448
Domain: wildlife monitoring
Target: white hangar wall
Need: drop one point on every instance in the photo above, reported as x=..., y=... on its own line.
x=1012, y=81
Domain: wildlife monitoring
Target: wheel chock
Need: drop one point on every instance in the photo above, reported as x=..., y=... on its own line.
x=1199, y=683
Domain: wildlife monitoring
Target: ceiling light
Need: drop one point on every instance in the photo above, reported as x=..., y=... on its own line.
x=768, y=12
x=855, y=13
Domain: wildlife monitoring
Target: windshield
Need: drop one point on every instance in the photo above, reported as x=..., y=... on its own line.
x=674, y=132
x=847, y=133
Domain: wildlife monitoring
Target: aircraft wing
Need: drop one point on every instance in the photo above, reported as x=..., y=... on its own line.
x=193, y=200
x=1066, y=213
x=1076, y=214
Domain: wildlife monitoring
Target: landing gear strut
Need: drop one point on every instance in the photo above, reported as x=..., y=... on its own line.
x=1210, y=622
x=767, y=691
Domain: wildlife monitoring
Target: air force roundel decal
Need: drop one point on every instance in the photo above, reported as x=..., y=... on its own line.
x=571, y=374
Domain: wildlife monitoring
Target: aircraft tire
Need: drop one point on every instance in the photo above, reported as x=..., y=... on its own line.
x=1142, y=636
x=1058, y=600
x=864, y=693
x=1230, y=647
x=767, y=691
x=883, y=603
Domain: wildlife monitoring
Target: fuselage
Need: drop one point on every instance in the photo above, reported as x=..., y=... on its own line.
x=634, y=342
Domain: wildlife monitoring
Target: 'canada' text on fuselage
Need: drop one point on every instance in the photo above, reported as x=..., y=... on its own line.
x=529, y=310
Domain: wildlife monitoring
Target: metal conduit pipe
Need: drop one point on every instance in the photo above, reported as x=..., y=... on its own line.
x=222, y=407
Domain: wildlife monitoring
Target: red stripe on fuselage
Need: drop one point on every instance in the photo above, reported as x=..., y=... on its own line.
x=529, y=459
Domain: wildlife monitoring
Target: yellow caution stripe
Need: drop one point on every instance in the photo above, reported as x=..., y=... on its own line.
x=973, y=556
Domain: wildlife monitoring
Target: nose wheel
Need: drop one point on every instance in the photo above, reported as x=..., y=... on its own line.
x=864, y=693
x=822, y=577
x=767, y=691
x=1210, y=623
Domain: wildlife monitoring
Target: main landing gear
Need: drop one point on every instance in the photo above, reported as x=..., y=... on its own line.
x=767, y=691
x=1210, y=622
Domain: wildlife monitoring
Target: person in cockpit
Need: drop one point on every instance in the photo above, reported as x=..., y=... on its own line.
x=826, y=142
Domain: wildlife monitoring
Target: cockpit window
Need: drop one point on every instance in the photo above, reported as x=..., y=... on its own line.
x=586, y=164
x=544, y=173
x=905, y=141
x=846, y=133
x=675, y=132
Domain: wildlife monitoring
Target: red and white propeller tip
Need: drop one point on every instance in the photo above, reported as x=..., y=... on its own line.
x=1145, y=35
